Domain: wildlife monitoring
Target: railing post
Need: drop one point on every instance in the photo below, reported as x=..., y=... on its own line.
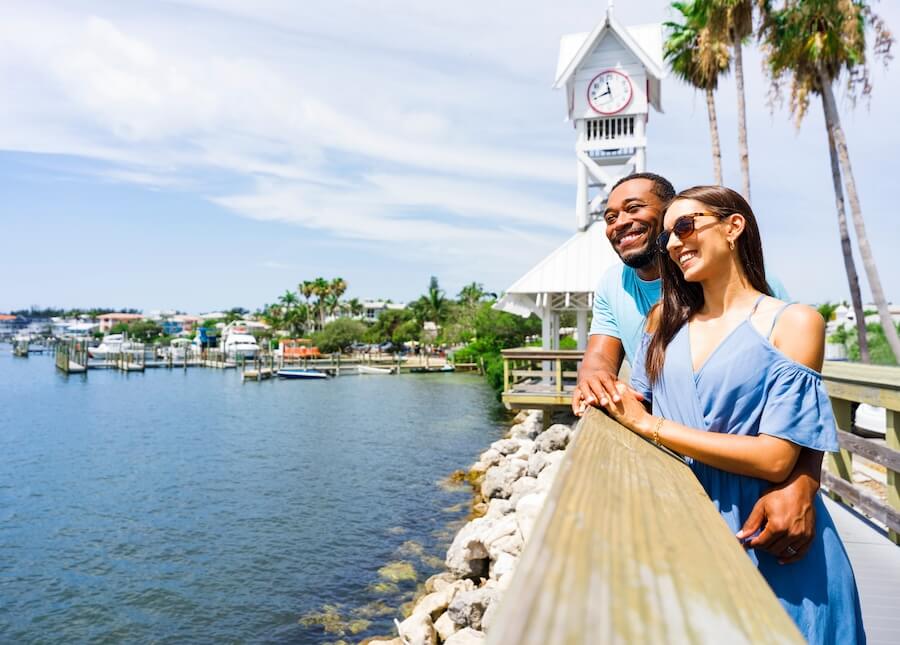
x=559, y=383
x=892, y=436
x=506, y=374
x=841, y=462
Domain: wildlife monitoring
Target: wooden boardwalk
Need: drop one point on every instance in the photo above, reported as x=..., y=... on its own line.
x=876, y=563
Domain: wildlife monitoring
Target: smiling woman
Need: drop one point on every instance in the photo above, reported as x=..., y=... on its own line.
x=744, y=422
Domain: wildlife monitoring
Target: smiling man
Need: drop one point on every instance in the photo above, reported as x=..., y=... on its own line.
x=625, y=295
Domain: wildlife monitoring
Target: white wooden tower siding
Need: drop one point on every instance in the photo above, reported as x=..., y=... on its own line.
x=611, y=76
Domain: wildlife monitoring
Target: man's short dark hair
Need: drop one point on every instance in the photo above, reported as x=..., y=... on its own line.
x=662, y=187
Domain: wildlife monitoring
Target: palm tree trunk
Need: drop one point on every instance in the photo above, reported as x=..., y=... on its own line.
x=847, y=248
x=742, y=117
x=833, y=121
x=714, y=135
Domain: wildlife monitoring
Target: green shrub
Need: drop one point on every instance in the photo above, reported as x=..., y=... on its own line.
x=339, y=334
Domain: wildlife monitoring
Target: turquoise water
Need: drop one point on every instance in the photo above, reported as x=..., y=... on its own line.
x=175, y=506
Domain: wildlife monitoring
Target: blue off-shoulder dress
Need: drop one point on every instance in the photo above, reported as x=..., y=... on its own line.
x=748, y=387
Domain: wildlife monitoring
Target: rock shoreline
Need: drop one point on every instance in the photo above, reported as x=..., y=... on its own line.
x=511, y=480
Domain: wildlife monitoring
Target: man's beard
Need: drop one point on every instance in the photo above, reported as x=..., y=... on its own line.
x=642, y=259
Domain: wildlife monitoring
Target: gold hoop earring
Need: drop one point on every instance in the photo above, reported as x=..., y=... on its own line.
x=731, y=244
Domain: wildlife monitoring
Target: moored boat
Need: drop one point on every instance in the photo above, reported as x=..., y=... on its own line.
x=432, y=370
x=368, y=369
x=301, y=374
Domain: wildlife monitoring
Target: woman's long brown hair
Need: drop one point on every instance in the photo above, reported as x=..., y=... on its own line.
x=682, y=299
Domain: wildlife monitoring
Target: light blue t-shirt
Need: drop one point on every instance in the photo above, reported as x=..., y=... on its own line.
x=622, y=302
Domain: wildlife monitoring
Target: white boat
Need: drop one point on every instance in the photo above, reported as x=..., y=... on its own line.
x=368, y=369
x=112, y=345
x=301, y=374
x=241, y=345
x=178, y=349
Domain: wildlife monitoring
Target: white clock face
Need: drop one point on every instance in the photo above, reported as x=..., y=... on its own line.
x=610, y=92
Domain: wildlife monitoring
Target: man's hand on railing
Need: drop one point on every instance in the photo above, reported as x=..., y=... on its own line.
x=786, y=513
x=597, y=390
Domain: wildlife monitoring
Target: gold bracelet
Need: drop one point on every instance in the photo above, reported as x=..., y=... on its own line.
x=656, y=430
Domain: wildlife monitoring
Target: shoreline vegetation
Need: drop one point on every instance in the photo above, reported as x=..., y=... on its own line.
x=510, y=482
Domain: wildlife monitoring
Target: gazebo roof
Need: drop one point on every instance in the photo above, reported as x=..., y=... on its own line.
x=573, y=268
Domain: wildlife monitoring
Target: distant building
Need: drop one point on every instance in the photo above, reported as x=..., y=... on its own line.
x=373, y=308
x=11, y=324
x=110, y=320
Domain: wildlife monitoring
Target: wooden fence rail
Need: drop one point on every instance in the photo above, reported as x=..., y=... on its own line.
x=849, y=384
x=629, y=549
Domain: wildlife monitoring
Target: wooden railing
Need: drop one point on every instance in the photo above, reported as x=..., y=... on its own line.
x=535, y=377
x=849, y=384
x=629, y=549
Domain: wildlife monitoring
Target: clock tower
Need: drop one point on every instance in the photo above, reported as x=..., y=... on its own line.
x=611, y=77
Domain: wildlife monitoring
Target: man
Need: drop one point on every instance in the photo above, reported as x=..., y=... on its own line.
x=633, y=216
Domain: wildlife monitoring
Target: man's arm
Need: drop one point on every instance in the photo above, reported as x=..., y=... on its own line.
x=786, y=513
x=599, y=371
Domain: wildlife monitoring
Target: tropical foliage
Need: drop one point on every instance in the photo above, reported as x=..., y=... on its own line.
x=811, y=45
x=699, y=59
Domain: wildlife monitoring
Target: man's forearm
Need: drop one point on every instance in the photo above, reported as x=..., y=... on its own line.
x=809, y=463
x=600, y=357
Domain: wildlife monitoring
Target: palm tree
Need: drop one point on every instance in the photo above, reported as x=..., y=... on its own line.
x=471, y=294
x=320, y=288
x=731, y=21
x=338, y=287
x=355, y=307
x=306, y=288
x=698, y=59
x=813, y=42
x=435, y=302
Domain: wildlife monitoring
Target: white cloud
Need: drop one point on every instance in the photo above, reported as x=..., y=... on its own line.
x=428, y=125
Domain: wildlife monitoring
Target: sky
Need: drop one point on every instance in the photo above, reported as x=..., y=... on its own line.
x=205, y=154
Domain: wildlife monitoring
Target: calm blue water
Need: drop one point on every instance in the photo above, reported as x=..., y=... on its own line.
x=173, y=507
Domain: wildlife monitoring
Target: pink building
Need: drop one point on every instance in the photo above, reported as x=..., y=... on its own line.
x=110, y=320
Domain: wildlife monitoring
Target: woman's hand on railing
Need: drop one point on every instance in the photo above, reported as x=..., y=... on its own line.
x=628, y=409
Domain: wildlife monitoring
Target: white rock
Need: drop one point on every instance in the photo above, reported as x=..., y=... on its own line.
x=467, y=636
x=526, y=449
x=468, y=607
x=503, y=566
x=490, y=457
x=499, y=528
x=418, y=630
x=499, y=507
x=521, y=416
x=520, y=487
x=445, y=627
x=499, y=479
x=434, y=604
x=527, y=511
x=511, y=544
x=525, y=430
x=467, y=555
x=439, y=581
x=506, y=446
x=536, y=463
x=393, y=641
x=556, y=437
x=548, y=474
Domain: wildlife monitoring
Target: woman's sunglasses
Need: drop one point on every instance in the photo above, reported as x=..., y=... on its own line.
x=682, y=228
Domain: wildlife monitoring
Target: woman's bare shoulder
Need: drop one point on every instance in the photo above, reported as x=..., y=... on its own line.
x=800, y=335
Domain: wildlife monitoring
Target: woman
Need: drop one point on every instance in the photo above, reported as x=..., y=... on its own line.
x=733, y=378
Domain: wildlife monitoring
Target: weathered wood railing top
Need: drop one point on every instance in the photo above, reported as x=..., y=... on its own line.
x=629, y=549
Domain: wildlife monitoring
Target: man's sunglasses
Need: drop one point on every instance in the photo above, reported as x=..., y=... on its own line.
x=682, y=228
